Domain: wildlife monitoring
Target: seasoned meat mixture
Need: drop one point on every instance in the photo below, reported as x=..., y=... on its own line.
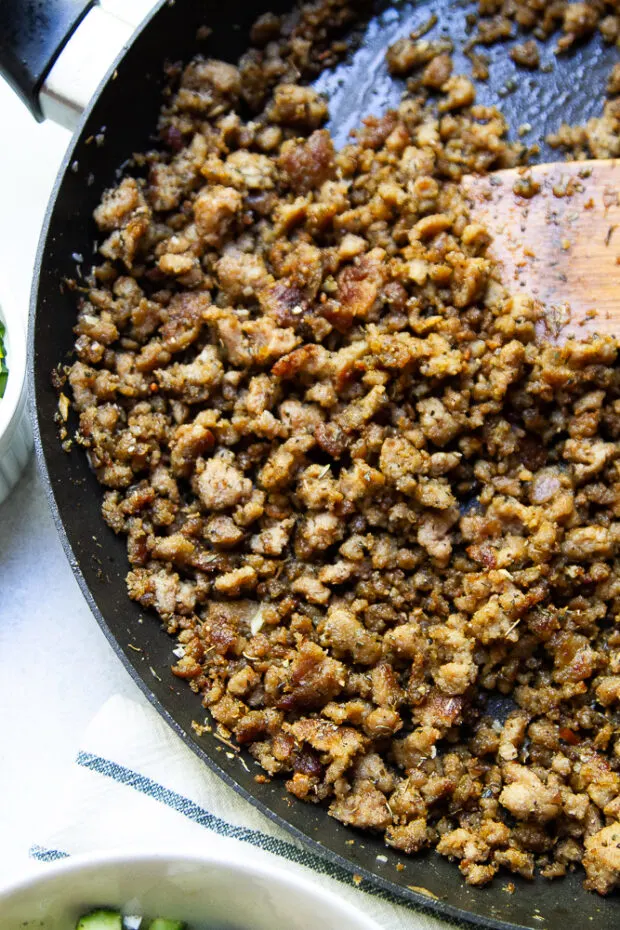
x=357, y=483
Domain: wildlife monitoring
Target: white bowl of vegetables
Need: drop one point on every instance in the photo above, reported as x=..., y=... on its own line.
x=168, y=891
x=15, y=429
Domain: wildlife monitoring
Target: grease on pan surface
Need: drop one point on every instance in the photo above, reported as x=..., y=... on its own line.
x=361, y=494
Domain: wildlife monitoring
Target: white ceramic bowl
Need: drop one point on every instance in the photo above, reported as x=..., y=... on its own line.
x=15, y=428
x=209, y=893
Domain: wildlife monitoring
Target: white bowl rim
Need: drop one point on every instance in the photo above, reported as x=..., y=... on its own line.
x=126, y=857
x=15, y=344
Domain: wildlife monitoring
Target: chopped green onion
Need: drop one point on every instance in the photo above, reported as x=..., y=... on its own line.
x=4, y=371
x=103, y=919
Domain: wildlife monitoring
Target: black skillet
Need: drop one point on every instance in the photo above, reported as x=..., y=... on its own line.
x=127, y=107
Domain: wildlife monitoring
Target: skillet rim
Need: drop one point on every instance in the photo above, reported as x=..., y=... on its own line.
x=399, y=894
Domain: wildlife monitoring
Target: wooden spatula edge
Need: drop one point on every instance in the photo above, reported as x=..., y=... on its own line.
x=556, y=237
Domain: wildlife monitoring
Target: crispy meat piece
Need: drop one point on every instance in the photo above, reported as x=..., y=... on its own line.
x=300, y=107
x=307, y=163
x=526, y=796
x=526, y=54
x=221, y=485
x=602, y=859
x=215, y=209
x=313, y=679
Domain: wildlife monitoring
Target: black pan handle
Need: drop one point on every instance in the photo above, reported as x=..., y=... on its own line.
x=32, y=35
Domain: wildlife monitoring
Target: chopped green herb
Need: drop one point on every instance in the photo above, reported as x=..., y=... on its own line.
x=104, y=919
x=4, y=371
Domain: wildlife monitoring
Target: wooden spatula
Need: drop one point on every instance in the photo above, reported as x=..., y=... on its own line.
x=560, y=245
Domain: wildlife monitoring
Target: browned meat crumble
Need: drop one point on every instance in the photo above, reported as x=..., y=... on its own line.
x=354, y=485
x=573, y=21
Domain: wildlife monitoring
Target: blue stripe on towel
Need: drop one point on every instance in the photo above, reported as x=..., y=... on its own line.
x=46, y=855
x=199, y=815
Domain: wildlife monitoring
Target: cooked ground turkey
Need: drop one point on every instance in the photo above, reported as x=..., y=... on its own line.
x=355, y=485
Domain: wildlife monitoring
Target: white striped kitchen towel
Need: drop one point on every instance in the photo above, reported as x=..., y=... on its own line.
x=135, y=783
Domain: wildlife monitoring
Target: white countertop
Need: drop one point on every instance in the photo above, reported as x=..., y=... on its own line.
x=56, y=668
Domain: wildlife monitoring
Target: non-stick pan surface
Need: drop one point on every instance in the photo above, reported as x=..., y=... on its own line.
x=121, y=121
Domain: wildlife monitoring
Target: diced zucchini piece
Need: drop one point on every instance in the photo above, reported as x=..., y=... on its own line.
x=100, y=920
x=160, y=923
